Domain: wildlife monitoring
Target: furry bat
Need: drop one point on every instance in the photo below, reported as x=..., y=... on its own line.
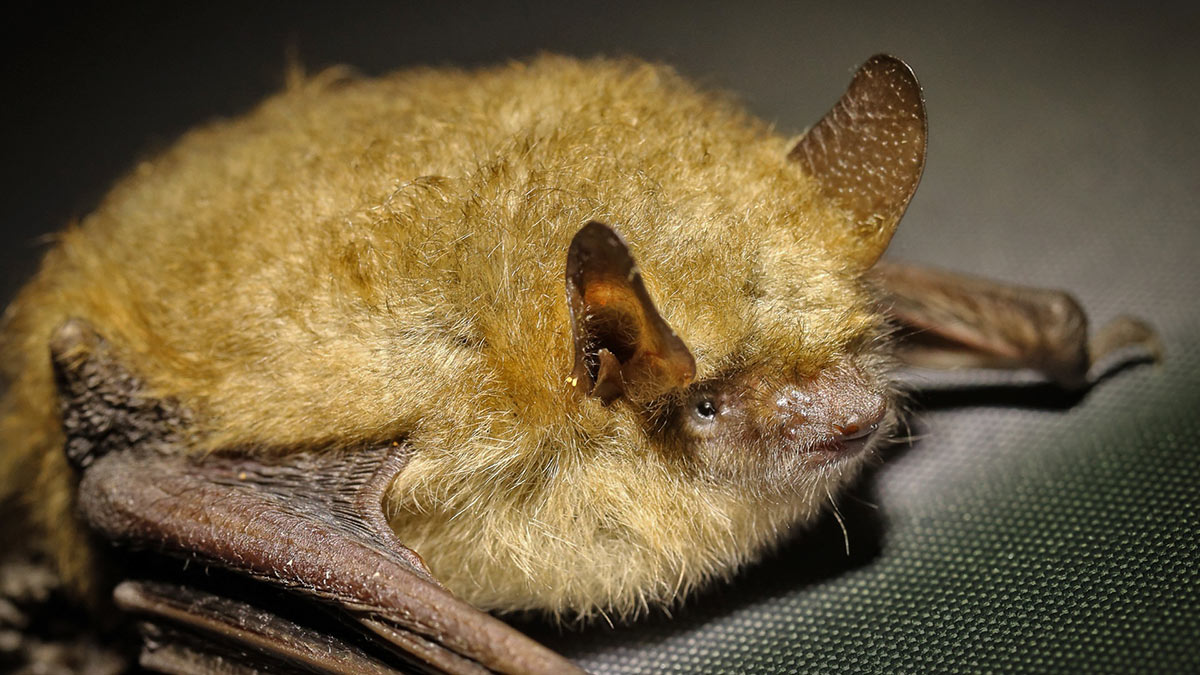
x=305, y=345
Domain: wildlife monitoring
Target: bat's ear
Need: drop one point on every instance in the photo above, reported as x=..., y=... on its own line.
x=867, y=155
x=622, y=345
x=104, y=406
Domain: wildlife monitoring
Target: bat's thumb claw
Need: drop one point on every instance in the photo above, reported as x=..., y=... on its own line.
x=1122, y=342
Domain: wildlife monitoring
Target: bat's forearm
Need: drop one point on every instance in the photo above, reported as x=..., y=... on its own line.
x=955, y=320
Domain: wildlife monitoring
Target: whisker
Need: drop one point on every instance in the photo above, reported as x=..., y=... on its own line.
x=837, y=515
x=862, y=501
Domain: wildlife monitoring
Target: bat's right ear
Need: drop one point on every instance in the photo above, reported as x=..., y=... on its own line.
x=622, y=345
x=867, y=155
x=104, y=406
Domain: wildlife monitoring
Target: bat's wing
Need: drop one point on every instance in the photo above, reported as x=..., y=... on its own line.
x=309, y=523
x=950, y=320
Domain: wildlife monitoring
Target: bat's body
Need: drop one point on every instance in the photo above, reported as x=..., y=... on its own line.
x=380, y=264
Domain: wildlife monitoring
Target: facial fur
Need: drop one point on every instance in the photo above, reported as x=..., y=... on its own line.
x=363, y=260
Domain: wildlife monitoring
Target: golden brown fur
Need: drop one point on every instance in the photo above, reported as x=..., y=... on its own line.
x=359, y=260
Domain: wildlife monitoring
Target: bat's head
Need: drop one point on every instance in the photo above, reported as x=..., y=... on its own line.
x=774, y=422
x=803, y=395
x=725, y=365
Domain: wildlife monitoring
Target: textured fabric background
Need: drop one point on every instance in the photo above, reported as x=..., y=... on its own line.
x=1025, y=530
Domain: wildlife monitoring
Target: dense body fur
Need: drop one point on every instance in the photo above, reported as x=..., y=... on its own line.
x=365, y=260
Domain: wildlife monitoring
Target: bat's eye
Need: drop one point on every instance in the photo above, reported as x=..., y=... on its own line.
x=708, y=411
x=705, y=410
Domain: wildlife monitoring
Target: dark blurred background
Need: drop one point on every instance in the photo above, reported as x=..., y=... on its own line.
x=1026, y=531
x=1080, y=108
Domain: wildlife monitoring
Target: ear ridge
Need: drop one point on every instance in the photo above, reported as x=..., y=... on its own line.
x=868, y=152
x=623, y=346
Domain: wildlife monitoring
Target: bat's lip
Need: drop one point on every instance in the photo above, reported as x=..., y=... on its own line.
x=850, y=442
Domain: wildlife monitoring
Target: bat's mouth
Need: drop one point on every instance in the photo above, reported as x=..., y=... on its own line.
x=850, y=440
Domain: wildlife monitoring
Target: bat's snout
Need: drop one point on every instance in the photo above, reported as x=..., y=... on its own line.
x=837, y=411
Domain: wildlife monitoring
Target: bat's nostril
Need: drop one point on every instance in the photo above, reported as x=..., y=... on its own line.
x=861, y=424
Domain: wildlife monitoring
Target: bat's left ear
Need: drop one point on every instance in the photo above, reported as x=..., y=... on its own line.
x=623, y=347
x=867, y=155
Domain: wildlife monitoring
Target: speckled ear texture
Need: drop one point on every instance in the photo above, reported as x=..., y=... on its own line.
x=868, y=152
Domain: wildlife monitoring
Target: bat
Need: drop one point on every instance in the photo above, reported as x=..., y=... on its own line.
x=572, y=337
